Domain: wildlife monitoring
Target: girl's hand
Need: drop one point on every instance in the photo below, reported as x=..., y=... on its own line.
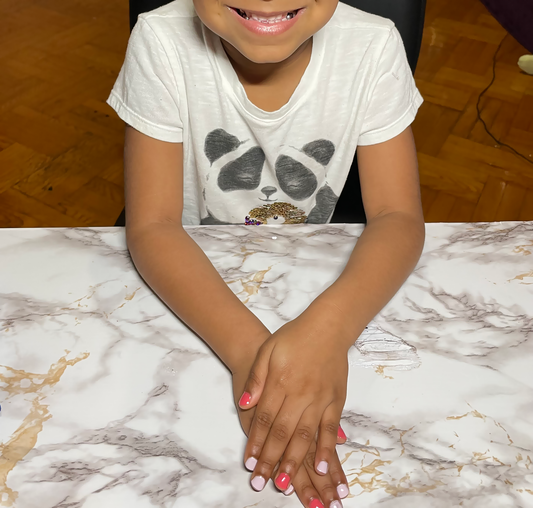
x=298, y=382
x=320, y=491
x=310, y=487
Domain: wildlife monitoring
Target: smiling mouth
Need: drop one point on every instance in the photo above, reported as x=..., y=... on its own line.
x=268, y=200
x=265, y=17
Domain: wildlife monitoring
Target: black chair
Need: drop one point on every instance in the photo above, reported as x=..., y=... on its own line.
x=408, y=15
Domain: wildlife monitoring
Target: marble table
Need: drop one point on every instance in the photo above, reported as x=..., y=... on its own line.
x=109, y=401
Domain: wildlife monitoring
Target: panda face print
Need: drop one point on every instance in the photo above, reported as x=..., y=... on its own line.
x=241, y=178
x=243, y=173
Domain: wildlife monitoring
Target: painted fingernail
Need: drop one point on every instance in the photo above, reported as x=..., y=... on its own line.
x=250, y=463
x=245, y=399
x=282, y=481
x=289, y=491
x=258, y=483
x=335, y=504
x=342, y=490
x=341, y=434
x=315, y=503
x=322, y=467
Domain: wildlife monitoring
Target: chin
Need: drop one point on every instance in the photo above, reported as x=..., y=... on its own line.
x=273, y=56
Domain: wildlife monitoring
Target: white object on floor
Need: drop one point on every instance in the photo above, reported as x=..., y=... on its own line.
x=526, y=64
x=376, y=347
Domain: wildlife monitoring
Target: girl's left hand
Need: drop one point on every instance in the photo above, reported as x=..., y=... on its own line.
x=298, y=383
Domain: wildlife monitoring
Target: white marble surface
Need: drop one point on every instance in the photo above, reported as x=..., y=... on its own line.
x=109, y=402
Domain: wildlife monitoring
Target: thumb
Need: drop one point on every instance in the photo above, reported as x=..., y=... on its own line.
x=255, y=382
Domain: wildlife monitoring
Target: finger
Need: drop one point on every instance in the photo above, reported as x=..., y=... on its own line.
x=297, y=448
x=246, y=418
x=278, y=438
x=326, y=485
x=306, y=492
x=341, y=436
x=265, y=414
x=327, y=438
x=256, y=381
x=338, y=478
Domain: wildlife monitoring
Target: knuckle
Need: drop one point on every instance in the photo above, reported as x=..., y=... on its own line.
x=334, y=471
x=264, y=420
x=327, y=492
x=306, y=489
x=328, y=489
x=310, y=460
x=267, y=465
x=305, y=434
x=253, y=378
x=331, y=428
x=280, y=432
x=290, y=465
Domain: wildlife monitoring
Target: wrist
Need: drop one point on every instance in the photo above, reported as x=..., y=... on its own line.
x=245, y=348
x=325, y=315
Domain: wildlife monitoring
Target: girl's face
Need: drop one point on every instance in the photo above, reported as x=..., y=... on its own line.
x=262, y=42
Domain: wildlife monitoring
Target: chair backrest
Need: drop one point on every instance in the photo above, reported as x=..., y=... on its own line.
x=408, y=15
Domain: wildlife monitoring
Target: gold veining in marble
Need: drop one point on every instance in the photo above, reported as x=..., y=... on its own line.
x=245, y=253
x=250, y=284
x=374, y=476
x=523, y=276
x=131, y=295
x=19, y=382
x=380, y=369
x=524, y=249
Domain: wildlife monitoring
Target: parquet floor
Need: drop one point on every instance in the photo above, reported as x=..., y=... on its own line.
x=61, y=145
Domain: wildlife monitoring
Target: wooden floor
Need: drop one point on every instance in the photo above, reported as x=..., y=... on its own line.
x=61, y=145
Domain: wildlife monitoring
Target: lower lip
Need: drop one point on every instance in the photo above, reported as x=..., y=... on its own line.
x=267, y=28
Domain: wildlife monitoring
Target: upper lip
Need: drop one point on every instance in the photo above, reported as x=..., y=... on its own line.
x=267, y=14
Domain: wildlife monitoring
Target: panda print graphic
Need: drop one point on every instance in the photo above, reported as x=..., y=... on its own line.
x=243, y=187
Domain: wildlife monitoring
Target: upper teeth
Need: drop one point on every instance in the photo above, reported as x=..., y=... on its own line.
x=271, y=19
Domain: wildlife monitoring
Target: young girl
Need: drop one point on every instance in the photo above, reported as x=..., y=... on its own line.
x=250, y=112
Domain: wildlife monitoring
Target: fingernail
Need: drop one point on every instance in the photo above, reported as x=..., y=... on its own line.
x=322, y=467
x=335, y=504
x=342, y=490
x=250, y=463
x=341, y=434
x=315, y=503
x=289, y=491
x=245, y=399
x=258, y=483
x=282, y=481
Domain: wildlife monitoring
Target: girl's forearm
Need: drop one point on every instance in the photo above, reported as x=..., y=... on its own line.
x=183, y=277
x=383, y=258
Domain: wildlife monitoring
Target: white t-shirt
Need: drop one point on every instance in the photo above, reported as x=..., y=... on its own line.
x=245, y=165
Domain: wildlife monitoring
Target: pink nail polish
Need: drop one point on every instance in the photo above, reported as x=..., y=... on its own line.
x=250, y=463
x=282, y=481
x=315, y=503
x=341, y=434
x=322, y=467
x=342, y=490
x=245, y=399
x=258, y=483
x=335, y=504
x=289, y=491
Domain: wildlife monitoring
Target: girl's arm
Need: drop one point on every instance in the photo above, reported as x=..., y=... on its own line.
x=171, y=262
x=391, y=244
x=298, y=381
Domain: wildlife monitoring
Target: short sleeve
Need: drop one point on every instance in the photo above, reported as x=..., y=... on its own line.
x=394, y=98
x=145, y=94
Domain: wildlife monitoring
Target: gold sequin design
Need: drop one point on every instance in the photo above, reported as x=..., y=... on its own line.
x=290, y=213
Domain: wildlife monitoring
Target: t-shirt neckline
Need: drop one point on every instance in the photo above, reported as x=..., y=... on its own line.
x=236, y=90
